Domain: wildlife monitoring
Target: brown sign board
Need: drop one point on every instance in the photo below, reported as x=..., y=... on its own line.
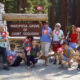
x=17, y=30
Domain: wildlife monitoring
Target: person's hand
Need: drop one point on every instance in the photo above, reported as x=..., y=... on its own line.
x=37, y=58
x=28, y=53
x=5, y=40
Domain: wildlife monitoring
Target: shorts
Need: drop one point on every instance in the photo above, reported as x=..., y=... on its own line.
x=56, y=46
x=66, y=58
x=45, y=48
x=72, y=45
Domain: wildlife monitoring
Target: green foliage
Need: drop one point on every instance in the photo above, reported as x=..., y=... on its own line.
x=11, y=6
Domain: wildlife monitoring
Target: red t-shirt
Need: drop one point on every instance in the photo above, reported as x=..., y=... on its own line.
x=73, y=37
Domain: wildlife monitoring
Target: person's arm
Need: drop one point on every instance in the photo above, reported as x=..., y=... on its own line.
x=40, y=23
x=51, y=34
x=3, y=40
x=39, y=55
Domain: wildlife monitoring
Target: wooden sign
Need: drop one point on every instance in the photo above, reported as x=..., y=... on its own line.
x=24, y=30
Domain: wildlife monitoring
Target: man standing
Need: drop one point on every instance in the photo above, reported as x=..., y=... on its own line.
x=45, y=40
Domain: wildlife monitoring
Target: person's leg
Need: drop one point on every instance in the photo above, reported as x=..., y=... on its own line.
x=4, y=55
x=55, y=53
x=43, y=48
x=28, y=61
x=17, y=61
x=47, y=46
x=65, y=60
x=55, y=58
x=23, y=57
x=60, y=58
x=34, y=61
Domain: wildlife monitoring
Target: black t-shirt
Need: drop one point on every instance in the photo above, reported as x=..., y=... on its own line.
x=34, y=51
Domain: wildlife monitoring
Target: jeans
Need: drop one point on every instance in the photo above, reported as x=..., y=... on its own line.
x=31, y=59
x=4, y=54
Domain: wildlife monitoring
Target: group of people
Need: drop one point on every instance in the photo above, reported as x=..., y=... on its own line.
x=66, y=48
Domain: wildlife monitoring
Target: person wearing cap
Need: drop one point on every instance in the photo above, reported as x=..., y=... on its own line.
x=3, y=41
x=45, y=40
x=58, y=36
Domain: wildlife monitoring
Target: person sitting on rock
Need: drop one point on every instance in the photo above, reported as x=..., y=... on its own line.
x=15, y=57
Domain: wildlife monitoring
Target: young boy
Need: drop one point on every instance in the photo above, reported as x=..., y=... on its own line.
x=67, y=55
x=32, y=55
x=14, y=56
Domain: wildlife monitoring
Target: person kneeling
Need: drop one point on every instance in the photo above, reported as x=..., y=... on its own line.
x=14, y=56
x=67, y=55
x=32, y=55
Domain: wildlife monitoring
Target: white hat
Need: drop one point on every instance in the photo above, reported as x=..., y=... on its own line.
x=58, y=24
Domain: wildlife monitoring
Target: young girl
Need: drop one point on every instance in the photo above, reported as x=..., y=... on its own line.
x=73, y=36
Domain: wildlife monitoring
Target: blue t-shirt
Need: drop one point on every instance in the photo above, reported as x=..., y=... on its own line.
x=55, y=37
x=45, y=37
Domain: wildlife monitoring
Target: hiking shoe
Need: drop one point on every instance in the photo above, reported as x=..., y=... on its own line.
x=6, y=68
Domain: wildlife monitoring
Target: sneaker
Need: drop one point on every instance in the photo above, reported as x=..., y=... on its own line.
x=78, y=68
x=6, y=68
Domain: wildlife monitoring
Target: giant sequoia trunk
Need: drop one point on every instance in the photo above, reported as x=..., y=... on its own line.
x=76, y=12
x=18, y=5
x=52, y=14
x=64, y=14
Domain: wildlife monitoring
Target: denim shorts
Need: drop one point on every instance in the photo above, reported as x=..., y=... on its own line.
x=72, y=45
x=65, y=58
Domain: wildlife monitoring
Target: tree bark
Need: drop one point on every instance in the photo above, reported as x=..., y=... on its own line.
x=64, y=14
x=52, y=14
x=18, y=5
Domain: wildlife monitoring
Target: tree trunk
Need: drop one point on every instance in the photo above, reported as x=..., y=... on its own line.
x=24, y=6
x=18, y=5
x=52, y=14
x=76, y=12
x=64, y=14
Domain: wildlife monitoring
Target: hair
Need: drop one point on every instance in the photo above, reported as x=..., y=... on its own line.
x=73, y=26
x=65, y=43
x=30, y=37
x=44, y=22
x=12, y=45
x=34, y=41
x=58, y=24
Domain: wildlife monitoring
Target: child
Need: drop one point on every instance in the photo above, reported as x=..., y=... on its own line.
x=14, y=56
x=32, y=54
x=67, y=55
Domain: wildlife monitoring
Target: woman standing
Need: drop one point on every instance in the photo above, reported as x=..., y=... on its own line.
x=3, y=52
x=58, y=36
x=73, y=36
x=45, y=40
